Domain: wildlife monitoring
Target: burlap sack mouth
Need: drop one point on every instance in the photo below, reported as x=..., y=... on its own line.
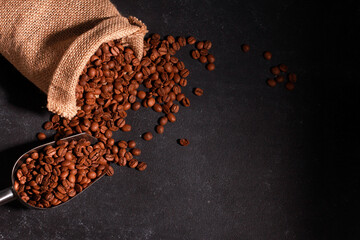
x=51, y=41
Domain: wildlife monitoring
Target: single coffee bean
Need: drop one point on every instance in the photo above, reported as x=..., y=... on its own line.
x=283, y=67
x=163, y=121
x=191, y=40
x=210, y=58
x=133, y=163
x=182, y=41
x=210, y=67
x=159, y=129
x=150, y=102
x=135, y=151
x=136, y=106
x=109, y=171
x=203, y=59
x=275, y=70
x=141, y=166
x=198, y=91
x=185, y=102
x=126, y=128
x=267, y=55
x=290, y=86
x=184, y=142
x=147, y=136
x=184, y=73
x=131, y=144
x=48, y=125
x=41, y=136
x=195, y=54
x=91, y=175
x=141, y=94
x=157, y=107
x=280, y=79
x=200, y=45
x=245, y=48
x=171, y=117
x=292, y=77
x=271, y=82
x=207, y=44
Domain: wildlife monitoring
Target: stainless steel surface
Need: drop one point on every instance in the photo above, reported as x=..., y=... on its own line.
x=9, y=194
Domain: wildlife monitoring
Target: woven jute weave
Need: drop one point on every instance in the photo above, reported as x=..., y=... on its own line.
x=50, y=42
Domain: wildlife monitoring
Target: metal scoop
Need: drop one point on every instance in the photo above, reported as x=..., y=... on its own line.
x=9, y=194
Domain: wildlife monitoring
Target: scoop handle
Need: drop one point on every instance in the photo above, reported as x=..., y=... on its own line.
x=7, y=195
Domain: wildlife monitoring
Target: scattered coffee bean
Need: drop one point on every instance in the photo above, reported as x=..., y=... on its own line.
x=141, y=166
x=290, y=86
x=267, y=55
x=131, y=144
x=275, y=70
x=41, y=136
x=203, y=59
x=147, y=136
x=184, y=142
x=210, y=58
x=163, y=121
x=245, y=48
x=198, y=91
x=191, y=40
x=171, y=117
x=207, y=44
x=280, y=79
x=159, y=129
x=292, y=77
x=210, y=67
x=195, y=54
x=200, y=45
x=136, y=151
x=133, y=163
x=283, y=67
x=271, y=82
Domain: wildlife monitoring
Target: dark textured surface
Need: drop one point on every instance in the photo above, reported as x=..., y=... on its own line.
x=262, y=163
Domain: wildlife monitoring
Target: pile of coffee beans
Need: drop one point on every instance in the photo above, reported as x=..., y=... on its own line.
x=278, y=71
x=112, y=82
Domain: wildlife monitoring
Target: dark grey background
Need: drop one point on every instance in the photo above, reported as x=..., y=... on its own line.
x=263, y=163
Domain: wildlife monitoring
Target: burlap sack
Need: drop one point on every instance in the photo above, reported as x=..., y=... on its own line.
x=50, y=41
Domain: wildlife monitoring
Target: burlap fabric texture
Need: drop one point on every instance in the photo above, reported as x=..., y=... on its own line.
x=50, y=42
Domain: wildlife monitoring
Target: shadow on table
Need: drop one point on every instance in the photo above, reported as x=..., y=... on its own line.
x=19, y=91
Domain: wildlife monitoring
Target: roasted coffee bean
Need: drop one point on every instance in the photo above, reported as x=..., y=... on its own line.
x=157, y=107
x=210, y=58
x=48, y=125
x=198, y=91
x=163, y=121
x=185, y=102
x=131, y=144
x=245, y=48
x=184, y=73
x=267, y=55
x=200, y=45
x=290, y=86
x=109, y=171
x=271, y=82
x=136, y=106
x=135, y=151
x=210, y=67
x=171, y=117
x=207, y=44
x=182, y=41
x=141, y=166
x=292, y=77
x=126, y=128
x=280, y=79
x=159, y=129
x=41, y=136
x=195, y=54
x=203, y=59
x=184, y=142
x=191, y=40
x=275, y=70
x=133, y=163
x=283, y=67
x=147, y=136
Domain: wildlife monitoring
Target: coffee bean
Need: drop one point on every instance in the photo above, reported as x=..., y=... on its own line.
x=48, y=125
x=207, y=44
x=283, y=67
x=191, y=40
x=157, y=107
x=280, y=79
x=163, y=121
x=150, y=102
x=292, y=77
x=210, y=67
x=245, y=48
x=147, y=136
x=184, y=142
x=210, y=58
x=198, y=91
x=141, y=166
x=109, y=171
x=275, y=70
x=184, y=73
x=126, y=128
x=159, y=129
x=171, y=117
x=271, y=82
x=170, y=39
x=41, y=136
x=290, y=86
x=203, y=59
x=195, y=54
x=133, y=163
x=131, y=144
x=200, y=45
x=135, y=151
x=267, y=55
x=182, y=41
x=185, y=102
